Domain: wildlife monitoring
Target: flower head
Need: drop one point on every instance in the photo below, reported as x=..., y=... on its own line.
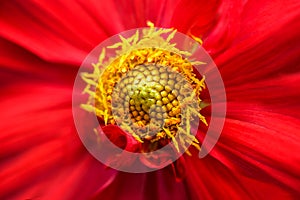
x=255, y=46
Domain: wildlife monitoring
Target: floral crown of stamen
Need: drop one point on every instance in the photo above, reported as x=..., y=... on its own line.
x=147, y=51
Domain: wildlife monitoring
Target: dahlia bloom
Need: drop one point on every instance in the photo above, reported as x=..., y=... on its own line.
x=256, y=48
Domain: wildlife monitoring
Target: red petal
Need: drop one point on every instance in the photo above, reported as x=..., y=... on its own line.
x=227, y=27
x=278, y=95
x=120, y=138
x=196, y=15
x=265, y=53
x=209, y=179
x=148, y=186
x=56, y=32
x=41, y=153
x=261, y=145
x=19, y=65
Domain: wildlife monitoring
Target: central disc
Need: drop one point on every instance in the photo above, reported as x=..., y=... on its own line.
x=146, y=101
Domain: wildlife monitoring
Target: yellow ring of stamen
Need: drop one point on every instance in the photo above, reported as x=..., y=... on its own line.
x=131, y=56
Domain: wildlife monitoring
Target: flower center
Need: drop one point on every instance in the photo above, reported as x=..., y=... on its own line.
x=146, y=94
x=150, y=93
x=142, y=90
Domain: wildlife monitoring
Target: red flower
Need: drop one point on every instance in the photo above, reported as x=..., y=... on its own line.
x=254, y=44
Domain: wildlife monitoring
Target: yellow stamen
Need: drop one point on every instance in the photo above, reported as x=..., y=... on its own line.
x=197, y=39
x=150, y=24
x=137, y=50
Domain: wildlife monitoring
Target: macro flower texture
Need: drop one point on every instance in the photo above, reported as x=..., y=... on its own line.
x=254, y=46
